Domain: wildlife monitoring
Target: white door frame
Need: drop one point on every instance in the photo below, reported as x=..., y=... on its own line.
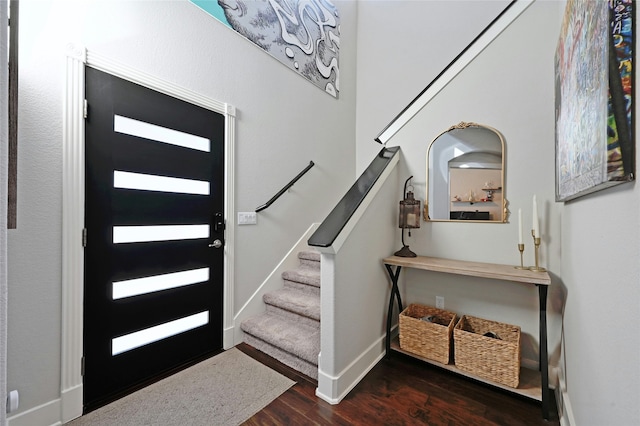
x=73, y=205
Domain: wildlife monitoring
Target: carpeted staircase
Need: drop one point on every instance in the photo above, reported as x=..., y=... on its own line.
x=289, y=330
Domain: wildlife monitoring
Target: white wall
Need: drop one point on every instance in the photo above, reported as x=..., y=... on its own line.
x=600, y=239
x=490, y=91
x=402, y=46
x=590, y=245
x=4, y=142
x=600, y=270
x=283, y=122
x=601, y=247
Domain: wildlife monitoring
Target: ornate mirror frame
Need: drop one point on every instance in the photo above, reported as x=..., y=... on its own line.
x=459, y=150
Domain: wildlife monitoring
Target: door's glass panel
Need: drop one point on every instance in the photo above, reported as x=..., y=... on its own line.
x=138, y=286
x=132, y=127
x=153, y=334
x=141, y=234
x=145, y=182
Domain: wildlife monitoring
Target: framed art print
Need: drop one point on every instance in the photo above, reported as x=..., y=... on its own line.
x=595, y=143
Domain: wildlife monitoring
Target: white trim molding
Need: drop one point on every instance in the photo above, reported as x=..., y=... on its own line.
x=333, y=389
x=44, y=414
x=4, y=166
x=565, y=412
x=450, y=73
x=72, y=225
x=74, y=204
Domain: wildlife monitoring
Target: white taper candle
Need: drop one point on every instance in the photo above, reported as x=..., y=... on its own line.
x=519, y=226
x=536, y=224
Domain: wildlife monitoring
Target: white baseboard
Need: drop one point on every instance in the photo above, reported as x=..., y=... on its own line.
x=228, y=337
x=333, y=389
x=47, y=414
x=71, y=403
x=565, y=412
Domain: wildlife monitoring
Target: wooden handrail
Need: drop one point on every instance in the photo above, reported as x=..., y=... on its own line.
x=286, y=187
x=338, y=218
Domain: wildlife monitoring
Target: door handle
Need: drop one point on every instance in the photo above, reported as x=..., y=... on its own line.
x=216, y=244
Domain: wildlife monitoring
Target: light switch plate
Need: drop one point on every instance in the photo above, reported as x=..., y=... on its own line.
x=247, y=218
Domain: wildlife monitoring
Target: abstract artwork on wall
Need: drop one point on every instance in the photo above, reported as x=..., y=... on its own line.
x=302, y=34
x=595, y=142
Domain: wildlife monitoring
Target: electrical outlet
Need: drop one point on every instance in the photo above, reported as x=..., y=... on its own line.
x=247, y=218
x=440, y=302
x=13, y=401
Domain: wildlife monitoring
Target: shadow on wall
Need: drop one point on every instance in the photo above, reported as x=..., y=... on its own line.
x=556, y=302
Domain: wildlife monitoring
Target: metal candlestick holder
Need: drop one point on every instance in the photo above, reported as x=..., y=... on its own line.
x=521, y=250
x=536, y=242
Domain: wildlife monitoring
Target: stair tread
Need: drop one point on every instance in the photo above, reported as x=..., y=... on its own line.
x=306, y=276
x=298, y=302
x=300, y=340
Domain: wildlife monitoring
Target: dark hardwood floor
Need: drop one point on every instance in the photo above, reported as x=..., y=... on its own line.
x=398, y=391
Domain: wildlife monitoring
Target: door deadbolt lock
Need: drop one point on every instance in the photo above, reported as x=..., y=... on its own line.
x=216, y=244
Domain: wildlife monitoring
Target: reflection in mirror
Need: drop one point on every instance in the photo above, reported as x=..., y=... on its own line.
x=465, y=175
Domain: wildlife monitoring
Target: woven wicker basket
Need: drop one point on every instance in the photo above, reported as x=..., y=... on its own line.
x=432, y=340
x=495, y=359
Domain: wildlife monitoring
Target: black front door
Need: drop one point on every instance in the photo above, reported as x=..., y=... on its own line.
x=153, y=287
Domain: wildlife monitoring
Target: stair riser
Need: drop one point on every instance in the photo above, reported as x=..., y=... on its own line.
x=311, y=264
x=293, y=316
x=286, y=358
x=309, y=289
x=303, y=276
x=310, y=255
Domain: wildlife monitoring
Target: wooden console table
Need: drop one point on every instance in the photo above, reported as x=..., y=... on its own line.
x=536, y=386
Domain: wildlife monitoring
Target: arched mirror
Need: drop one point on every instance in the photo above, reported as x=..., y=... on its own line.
x=465, y=175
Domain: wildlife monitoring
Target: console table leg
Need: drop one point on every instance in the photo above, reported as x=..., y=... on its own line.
x=544, y=356
x=395, y=293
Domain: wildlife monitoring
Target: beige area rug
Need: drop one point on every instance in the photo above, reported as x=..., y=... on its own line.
x=226, y=389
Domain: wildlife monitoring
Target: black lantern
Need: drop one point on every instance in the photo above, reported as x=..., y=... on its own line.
x=409, y=218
